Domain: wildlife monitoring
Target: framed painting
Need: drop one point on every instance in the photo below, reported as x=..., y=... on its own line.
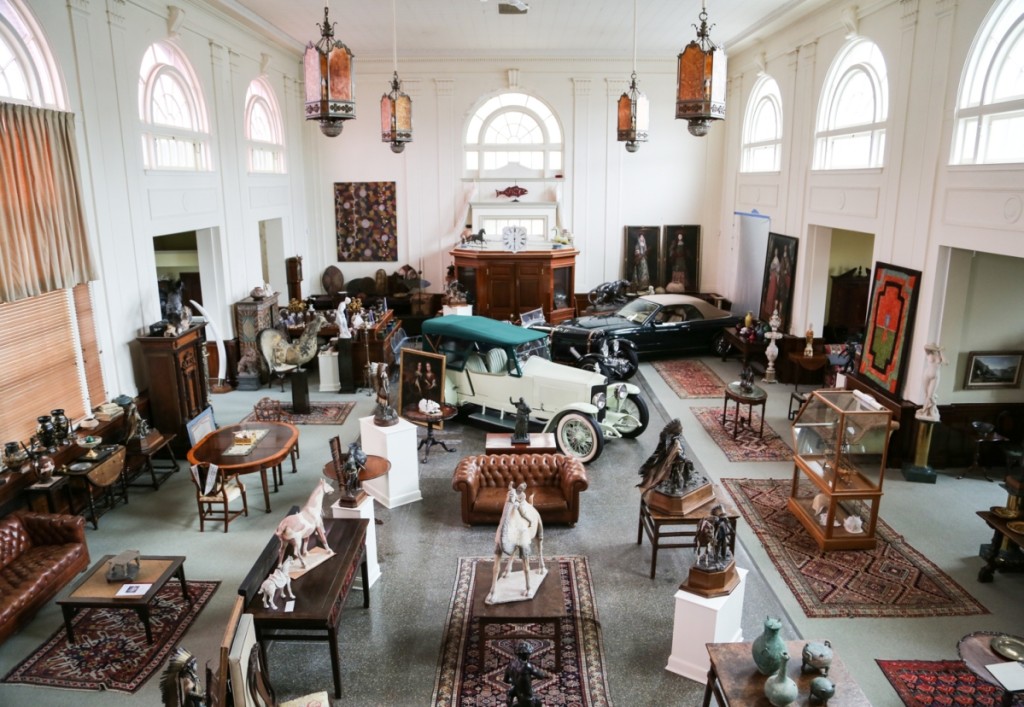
x=365, y=222
x=681, y=247
x=889, y=326
x=778, y=280
x=640, y=258
x=993, y=369
x=420, y=375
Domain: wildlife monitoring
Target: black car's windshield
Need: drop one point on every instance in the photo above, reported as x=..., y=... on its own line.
x=638, y=310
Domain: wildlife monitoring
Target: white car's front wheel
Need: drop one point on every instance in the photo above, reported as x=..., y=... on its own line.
x=578, y=435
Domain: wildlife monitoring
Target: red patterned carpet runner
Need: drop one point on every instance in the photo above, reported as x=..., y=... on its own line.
x=467, y=679
x=893, y=580
x=319, y=414
x=747, y=446
x=111, y=652
x=940, y=682
x=690, y=379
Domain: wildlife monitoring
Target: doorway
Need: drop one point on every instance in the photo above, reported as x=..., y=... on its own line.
x=850, y=259
x=177, y=258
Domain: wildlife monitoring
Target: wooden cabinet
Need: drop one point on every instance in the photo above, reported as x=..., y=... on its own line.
x=177, y=378
x=848, y=303
x=251, y=317
x=503, y=285
x=374, y=344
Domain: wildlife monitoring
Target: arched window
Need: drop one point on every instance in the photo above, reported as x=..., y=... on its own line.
x=854, y=108
x=990, y=108
x=175, y=131
x=28, y=73
x=263, y=129
x=513, y=129
x=762, y=128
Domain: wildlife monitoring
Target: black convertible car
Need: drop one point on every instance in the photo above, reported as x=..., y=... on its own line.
x=651, y=324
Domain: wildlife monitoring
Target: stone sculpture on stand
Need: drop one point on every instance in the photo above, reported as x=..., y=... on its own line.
x=714, y=573
x=519, y=526
x=927, y=417
x=772, y=351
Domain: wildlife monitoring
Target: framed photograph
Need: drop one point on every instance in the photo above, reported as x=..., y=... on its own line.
x=779, y=277
x=421, y=375
x=993, y=369
x=640, y=257
x=889, y=326
x=681, y=246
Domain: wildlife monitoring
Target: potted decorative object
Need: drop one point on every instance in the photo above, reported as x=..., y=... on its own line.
x=768, y=648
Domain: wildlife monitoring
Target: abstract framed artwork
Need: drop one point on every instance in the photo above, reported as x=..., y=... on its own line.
x=681, y=247
x=640, y=259
x=421, y=375
x=889, y=330
x=365, y=221
x=779, y=278
x=993, y=369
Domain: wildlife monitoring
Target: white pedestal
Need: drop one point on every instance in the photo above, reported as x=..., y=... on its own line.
x=460, y=309
x=699, y=621
x=363, y=510
x=397, y=444
x=330, y=381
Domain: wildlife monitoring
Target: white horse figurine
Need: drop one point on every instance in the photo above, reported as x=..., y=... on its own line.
x=295, y=529
x=520, y=524
x=278, y=579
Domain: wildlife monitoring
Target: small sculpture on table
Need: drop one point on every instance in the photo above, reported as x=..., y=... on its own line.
x=278, y=579
x=295, y=530
x=520, y=525
x=384, y=415
x=747, y=380
x=521, y=433
x=355, y=462
x=712, y=541
x=123, y=567
x=809, y=341
x=519, y=675
x=179, y=683
x=670, y=483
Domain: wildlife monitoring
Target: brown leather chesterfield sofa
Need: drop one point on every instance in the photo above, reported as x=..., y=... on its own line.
x=39, y=554
x=555, y=481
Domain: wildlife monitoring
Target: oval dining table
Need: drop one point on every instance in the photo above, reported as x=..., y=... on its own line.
x=268, y=453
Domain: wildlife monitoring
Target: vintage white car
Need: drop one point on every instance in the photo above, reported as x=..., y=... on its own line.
x=491, y=364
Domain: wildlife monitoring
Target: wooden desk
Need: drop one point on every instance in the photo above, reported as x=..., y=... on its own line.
x=995, y=559
x=501, y=443
x=652, y=521
x=976, y=653
x=750, y=351
x=319, y=594
x=757, y=396
x=733, y=678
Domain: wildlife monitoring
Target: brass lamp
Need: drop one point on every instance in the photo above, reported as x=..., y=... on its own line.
x=396, y=106
x=634, y=111
x=330, y=84
x=700, y=82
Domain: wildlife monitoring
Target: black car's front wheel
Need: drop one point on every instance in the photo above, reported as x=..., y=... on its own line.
x=720, y=345
x=634, y=406
x=577, y=434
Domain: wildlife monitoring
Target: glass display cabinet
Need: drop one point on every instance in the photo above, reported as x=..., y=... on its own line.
x=839, y=441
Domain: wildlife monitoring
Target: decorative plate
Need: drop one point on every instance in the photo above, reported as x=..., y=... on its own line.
x=1004, y=512
x=80, y=466
x=1016, y=526
x=1009, y=647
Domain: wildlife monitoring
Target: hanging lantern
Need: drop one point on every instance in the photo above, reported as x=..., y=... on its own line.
x=396, y=116
x=700, y=90
x=634, y=116
x=330, y=84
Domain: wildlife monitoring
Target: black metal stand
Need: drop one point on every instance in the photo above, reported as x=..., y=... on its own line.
x=429, y=441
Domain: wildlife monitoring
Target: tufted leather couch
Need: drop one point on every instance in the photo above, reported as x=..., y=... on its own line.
x=39, y=554
x=555, y=481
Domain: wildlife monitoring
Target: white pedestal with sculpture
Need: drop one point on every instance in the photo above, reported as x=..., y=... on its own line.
x=397, y=444
x=330, y=380
x=699, y=621
x=363, y=510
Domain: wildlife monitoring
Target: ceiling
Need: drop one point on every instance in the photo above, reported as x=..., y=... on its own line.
x=551, y=28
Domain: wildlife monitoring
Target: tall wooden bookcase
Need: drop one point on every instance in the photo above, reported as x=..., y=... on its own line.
x=177, y=380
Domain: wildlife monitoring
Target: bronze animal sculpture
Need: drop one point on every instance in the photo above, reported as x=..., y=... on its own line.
x=609, y=293
x=295, y=530
x=469, y=238
x=712, y=540
x=179, y=683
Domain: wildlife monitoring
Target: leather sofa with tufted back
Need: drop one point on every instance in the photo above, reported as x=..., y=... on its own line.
x=555, y=481
x=39, y=554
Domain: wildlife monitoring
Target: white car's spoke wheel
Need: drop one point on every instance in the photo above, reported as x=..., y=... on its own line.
x=636, y=408
x=579, y=436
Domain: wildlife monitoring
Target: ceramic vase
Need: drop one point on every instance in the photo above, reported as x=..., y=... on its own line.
x=768, y=647
x=779, y=688
x=61, y=424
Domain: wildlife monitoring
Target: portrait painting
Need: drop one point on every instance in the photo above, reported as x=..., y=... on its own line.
x=640, y=258
x=889, y=326
x=779, y=277
x=681, y=248
x=365, y=221
x=421, y=375
x=993, y=369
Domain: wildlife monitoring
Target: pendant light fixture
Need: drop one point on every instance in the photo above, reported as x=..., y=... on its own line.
x=700, y=89
x=330, y=83
x=396, y=106
x=634, y=110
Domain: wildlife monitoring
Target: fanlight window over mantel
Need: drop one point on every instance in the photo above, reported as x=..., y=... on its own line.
x=512, y=130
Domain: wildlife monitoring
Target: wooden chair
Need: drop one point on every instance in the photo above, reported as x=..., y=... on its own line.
x=215, y=488
x=102, y=479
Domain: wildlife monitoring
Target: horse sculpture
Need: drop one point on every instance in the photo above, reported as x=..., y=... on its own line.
x=520, y=524
x=179, y=683
x=294, y=531
x=712, y=540
x=278, y=579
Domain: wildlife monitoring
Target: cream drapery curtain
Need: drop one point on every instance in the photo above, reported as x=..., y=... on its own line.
x=43, y=241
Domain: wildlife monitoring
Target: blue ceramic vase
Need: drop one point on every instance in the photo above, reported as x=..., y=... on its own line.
x=768, y=647
x=779, y=688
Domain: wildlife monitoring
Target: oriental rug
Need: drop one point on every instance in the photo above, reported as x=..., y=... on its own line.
x=319, y=414
x=690, y=379
x=893, y=580
x=747, y=445
x=111, y=652
x=467, y=679
x=940, y=682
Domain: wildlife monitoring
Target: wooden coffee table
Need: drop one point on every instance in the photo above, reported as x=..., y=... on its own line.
x=94, y=591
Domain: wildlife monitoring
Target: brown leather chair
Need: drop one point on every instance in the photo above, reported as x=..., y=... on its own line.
x=105, y=479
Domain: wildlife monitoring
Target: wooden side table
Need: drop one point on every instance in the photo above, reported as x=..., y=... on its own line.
x=976, y=653
x=50, y=492
x=145, y=450
x=652, y=522
x=755, y=397
x=501, y=443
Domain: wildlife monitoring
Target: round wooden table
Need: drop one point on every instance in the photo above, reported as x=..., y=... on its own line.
x=976, y=653
x=447, y=412
x=735, y=392
x=268, y=453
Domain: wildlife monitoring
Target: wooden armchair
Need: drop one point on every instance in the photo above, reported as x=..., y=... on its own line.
x=215, y=488
x=102, y=480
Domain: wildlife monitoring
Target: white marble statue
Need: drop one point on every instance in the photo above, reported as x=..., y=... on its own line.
x=342, y=319
x=934, y=358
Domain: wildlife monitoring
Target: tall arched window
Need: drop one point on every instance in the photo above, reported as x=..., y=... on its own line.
x=175, y=129
x=762, y=128
x=263, y=129
x=513, y=129
x=854, y=108
x=28, y=72
x=990, y=109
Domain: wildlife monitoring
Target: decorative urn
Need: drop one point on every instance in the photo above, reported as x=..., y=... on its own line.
x=768, y=648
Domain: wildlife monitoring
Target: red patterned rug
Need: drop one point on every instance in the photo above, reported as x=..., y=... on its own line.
x=747, y=446
x=893, y=580
x=467, y=679
x=111, y=652
x=690, y=379
x=319, y=414
x=940, y=682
